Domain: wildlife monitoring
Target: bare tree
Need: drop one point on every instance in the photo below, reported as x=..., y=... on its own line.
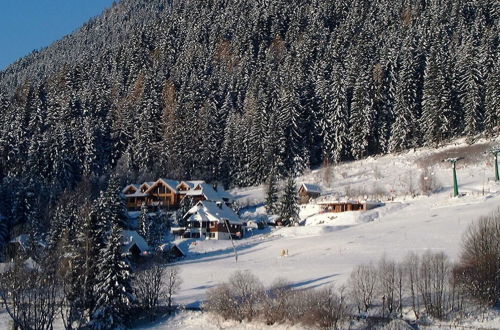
x=150, y=285
x=362, y=285
x=30, y=296
x=173, y=282
x=411, y=266
x=433, y=282
x=248, y=291
x=386, y=273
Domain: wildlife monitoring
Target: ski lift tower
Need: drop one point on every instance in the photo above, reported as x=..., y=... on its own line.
x=454, y=161
x=495, y=152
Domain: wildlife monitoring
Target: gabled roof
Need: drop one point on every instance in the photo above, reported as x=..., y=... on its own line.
x=311, y=188
x=191, y=183
x=131, y=238
x=172, y=184
x=212, y=211
x=133, y=185
x=206, y=190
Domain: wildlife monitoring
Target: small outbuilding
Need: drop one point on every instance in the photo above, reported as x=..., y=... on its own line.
x=347, y=205
x=308, y=191
x=133, y=244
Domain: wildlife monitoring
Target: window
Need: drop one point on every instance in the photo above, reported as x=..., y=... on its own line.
x=212, y=235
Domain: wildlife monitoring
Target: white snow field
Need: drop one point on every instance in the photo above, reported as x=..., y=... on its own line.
x=329, y=245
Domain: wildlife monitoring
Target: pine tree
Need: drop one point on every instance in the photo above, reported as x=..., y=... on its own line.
x=403, y=130
x=145, y=223
x=271, y=193
x=362, y=117
x=471, y=91
x=289, y=207
x=113, y=289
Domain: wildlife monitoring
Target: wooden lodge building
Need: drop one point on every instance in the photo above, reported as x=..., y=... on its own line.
x=168, y=193
x=345, y=206
x=213, y=220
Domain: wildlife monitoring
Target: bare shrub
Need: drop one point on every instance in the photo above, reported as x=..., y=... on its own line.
x=478, y=271
x=276, y=303
x=220, y=301
x=324, y=309
x=238, y=299
x=362, y=285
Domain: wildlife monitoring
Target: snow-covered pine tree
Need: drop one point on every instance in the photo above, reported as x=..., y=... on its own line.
x=289, y=204
x=492, y=102
x=431, y=102
x=362, y=116
x=471, y=90
x=271, y=193
x=144, y=222
x=403, y=130
x=113, y=285
x=339, y=118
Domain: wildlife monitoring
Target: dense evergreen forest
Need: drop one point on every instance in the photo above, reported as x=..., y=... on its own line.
x=229, y=91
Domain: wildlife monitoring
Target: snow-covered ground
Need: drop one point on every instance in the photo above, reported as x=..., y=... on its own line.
x=329, y=245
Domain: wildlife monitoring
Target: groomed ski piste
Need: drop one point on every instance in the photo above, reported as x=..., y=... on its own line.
x=327, y=246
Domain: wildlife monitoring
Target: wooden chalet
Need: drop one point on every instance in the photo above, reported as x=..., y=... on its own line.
x=167, y=193
x=213, y=220
x=307, y=192
x=346, y=206
x=134, y=196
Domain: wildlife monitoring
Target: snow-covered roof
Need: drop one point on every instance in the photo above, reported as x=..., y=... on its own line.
x=172, y=184
x=138, y=193
x=147, y=184
x=311, y=188
x=212, y=211
x=131, y=237
x=210, y=193
x=190, y=183
x=135, y=186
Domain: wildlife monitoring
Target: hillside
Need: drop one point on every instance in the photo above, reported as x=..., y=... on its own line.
x=200, y=89
x=328, y=246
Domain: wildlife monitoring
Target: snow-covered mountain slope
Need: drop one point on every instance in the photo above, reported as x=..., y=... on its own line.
x=328, y=246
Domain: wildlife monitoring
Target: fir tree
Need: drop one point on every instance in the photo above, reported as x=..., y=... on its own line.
x=145, y=223
x=289, y=207
x=271, y=194
x=113, y=289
